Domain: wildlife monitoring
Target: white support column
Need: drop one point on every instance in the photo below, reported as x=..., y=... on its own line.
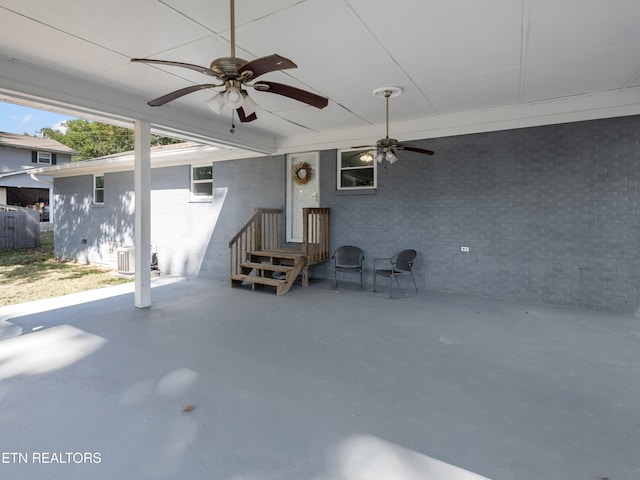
x=142, y=188
x=50, y=204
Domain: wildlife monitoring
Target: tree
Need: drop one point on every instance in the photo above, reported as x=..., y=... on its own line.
x=95, y=139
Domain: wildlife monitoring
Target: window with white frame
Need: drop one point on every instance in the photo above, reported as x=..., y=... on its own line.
x=44, y=157
x=202, y=182
x=357, y=169
x=98, y=189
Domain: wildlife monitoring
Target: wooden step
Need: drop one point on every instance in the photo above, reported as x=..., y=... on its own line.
x=274, y=282
x=269, y=267
x=281, y=253
x=288, y=261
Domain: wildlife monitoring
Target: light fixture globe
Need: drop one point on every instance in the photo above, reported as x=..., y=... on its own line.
x=216, y=103
x=248, y=105
x=391, y=157
x=233, y=97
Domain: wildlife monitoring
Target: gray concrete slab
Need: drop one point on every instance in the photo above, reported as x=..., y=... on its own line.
x=316, y=384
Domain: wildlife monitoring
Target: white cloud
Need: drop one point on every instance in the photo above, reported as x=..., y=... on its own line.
x=60, y=126
x=26, y=119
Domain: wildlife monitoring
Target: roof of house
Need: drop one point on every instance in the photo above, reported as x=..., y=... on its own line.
x=161, y=156
x=34, y=143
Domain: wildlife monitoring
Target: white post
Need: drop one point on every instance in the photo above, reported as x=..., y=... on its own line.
x=142, y=189
x=50, y=204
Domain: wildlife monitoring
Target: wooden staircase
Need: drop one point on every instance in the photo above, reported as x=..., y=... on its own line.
x=277, y=268
x=259, y=260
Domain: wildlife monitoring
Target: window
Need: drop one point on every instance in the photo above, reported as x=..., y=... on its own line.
x=357, y=169
x=202, y=183
x=44, y=157
x=98, y=189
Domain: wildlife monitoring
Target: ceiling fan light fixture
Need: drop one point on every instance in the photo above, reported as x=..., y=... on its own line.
x=216, y=103
x=233, y=98
x=385, y=147
x=391, y=157
x=248, y=105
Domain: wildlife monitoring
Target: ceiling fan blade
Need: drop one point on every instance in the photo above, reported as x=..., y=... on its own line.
x=179, y=93
x=364, y=146
x=245, y=118
x=262, y=65
x=293, y=92
x=197, y=68
x=411, y=148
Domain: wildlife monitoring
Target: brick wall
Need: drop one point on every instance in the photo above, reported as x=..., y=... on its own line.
x=180, y=229
x=247, y=184
x=550, y=214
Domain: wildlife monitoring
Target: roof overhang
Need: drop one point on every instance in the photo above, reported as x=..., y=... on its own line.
x=165, y=156
x=25, y=179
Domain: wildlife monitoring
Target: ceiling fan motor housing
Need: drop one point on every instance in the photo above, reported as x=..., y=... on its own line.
x=387, y=142
x=227, y=67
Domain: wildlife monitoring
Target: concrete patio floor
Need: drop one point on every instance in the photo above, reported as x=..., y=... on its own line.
x=315, y=385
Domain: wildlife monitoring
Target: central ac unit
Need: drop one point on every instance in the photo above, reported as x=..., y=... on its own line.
x=126, y=260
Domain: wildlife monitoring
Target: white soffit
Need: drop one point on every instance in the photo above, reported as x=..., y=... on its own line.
x=465, y=66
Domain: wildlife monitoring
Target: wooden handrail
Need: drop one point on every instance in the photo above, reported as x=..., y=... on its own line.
x=316, y=234
x=260, y=232
x=258, y=213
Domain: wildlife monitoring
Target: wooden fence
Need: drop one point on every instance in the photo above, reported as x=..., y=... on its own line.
x=19, y=227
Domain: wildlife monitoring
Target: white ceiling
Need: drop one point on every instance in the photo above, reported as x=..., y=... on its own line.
x=465, y=65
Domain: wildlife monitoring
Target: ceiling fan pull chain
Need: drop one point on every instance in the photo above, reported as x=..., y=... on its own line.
x=233, y=123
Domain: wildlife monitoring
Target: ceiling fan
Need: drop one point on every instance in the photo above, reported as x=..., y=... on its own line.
x=235, y=74
x=387, y=146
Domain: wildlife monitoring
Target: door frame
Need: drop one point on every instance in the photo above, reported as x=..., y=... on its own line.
x=291, y=159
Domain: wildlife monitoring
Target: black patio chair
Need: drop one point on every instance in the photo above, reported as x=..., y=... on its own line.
x=347, y=259
x=400, y=265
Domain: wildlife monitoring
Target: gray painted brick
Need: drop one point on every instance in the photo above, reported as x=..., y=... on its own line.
x=550, y=213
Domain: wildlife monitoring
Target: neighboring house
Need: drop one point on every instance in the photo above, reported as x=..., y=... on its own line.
x=549, y=214
x=19, y=154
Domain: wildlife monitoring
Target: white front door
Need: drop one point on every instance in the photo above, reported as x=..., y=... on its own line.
x=303, y=190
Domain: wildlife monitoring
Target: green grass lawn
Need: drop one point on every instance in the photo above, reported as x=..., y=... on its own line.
x=33, y=273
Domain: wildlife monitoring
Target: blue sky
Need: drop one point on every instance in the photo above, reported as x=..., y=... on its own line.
x=18, y=119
